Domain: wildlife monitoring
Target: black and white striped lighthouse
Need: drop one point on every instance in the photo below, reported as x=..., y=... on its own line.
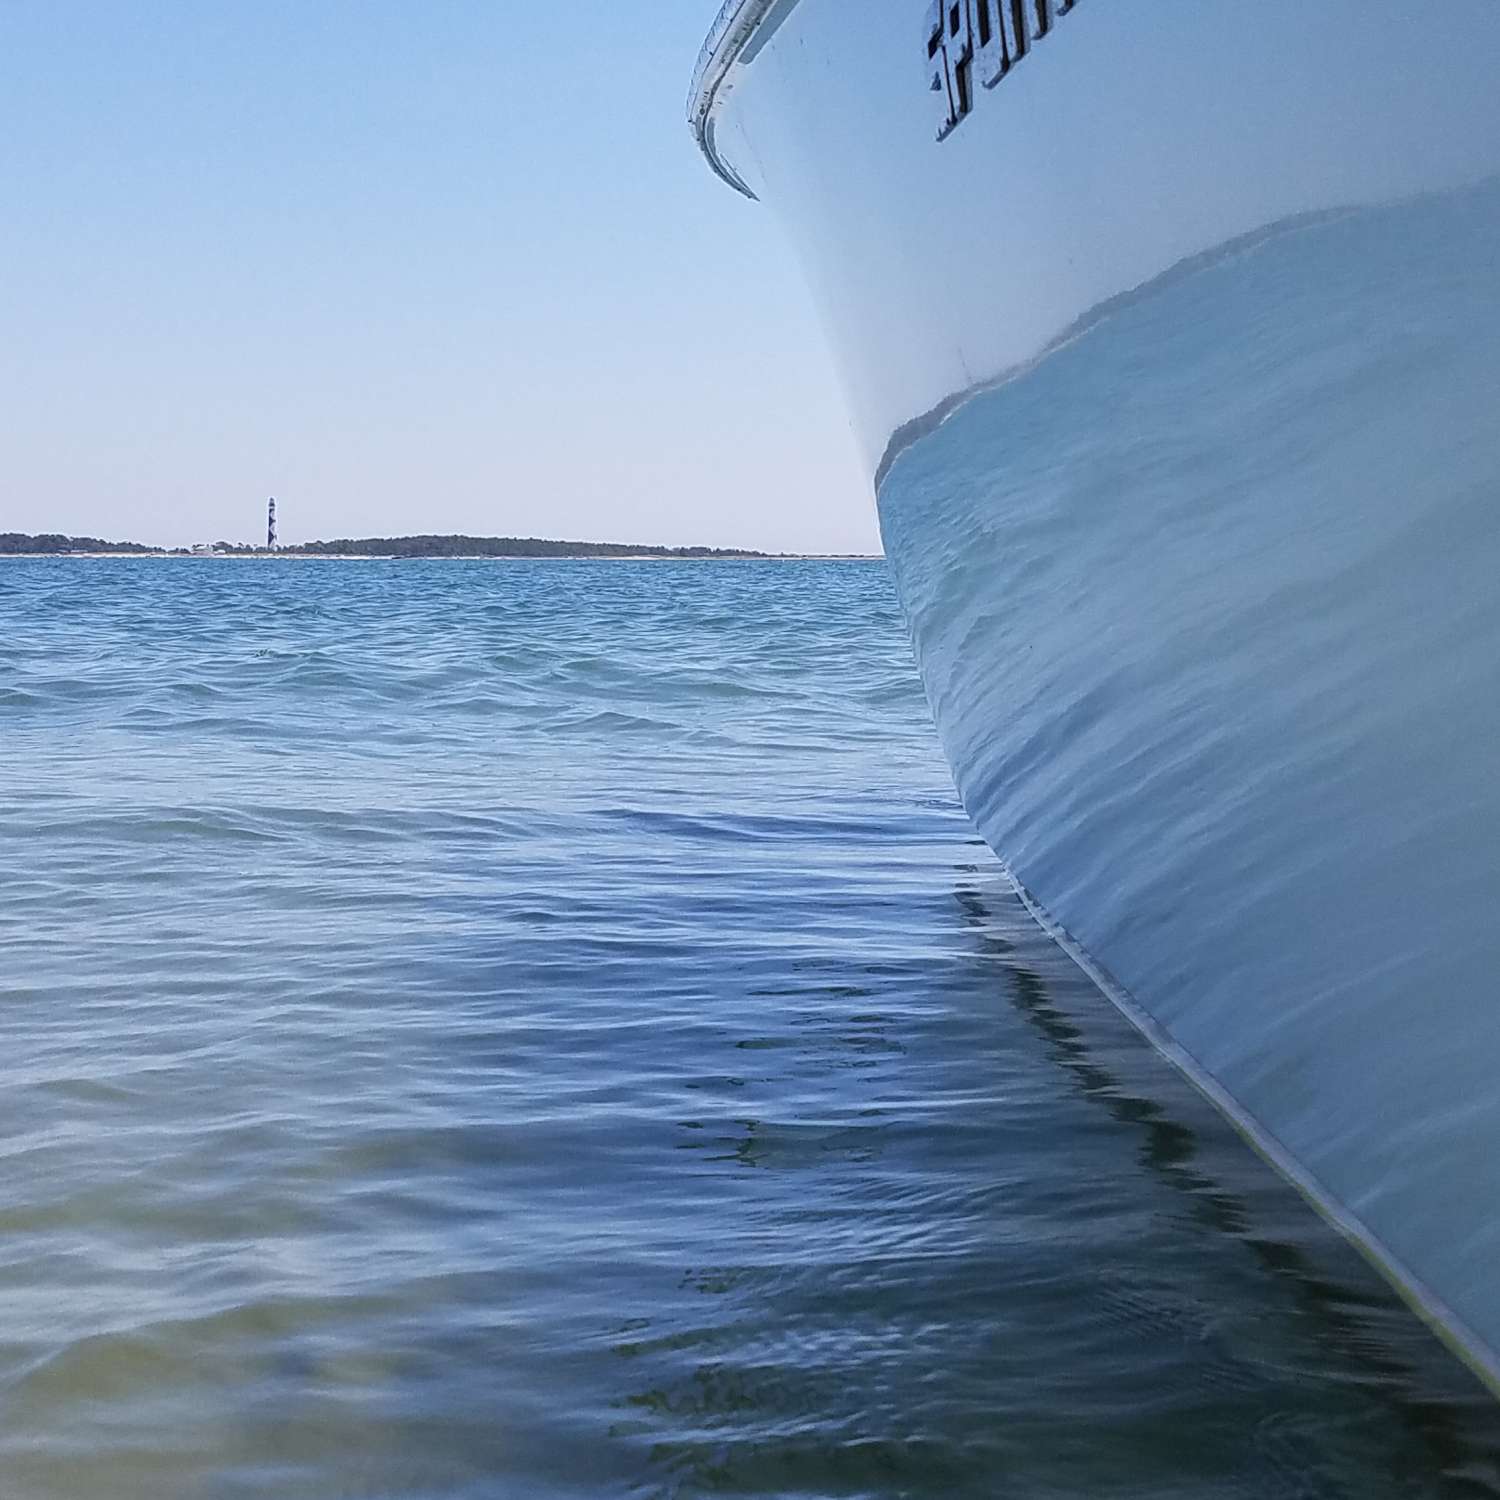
x=271, y=525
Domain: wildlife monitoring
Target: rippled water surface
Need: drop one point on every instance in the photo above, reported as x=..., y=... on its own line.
x=549, y=1030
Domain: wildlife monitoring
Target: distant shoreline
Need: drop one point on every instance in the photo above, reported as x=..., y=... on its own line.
x=451, y=547
x=290, y=554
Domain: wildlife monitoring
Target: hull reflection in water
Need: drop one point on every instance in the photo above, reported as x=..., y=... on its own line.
x=1199, y=1335
x=1178, y=366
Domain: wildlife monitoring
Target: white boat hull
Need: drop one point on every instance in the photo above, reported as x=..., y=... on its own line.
x=1177, y=362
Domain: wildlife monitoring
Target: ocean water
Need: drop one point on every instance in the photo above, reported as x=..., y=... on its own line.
x=540, y=1030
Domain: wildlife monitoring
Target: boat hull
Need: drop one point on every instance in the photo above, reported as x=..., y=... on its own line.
x=1177, y=363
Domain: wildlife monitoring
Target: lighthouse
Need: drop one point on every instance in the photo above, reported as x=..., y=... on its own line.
x=271, y=525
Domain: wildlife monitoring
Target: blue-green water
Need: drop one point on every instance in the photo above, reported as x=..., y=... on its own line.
x=549, y=1030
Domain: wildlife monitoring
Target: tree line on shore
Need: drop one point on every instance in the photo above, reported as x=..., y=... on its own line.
x=499, y=546
x=52, y=541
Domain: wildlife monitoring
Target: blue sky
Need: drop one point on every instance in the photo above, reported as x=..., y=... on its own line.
x=454, y=267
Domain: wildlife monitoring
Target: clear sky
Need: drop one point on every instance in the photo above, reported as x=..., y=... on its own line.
x=448, y=267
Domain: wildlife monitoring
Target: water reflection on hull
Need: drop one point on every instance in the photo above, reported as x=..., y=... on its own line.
x=1216, y=674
